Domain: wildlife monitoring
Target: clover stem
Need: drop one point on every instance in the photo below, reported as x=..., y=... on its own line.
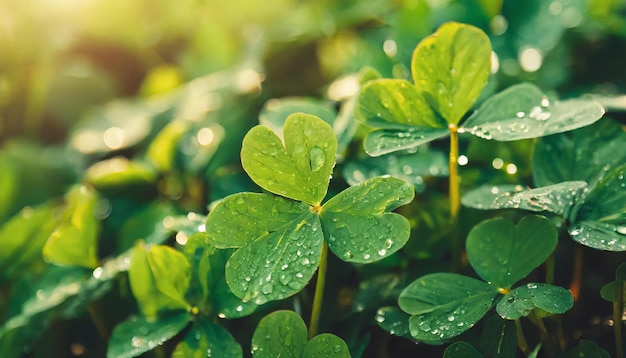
x=618, y=313
x=455, y=197
x=319, y=292
x=578, y=272
x=99, y=321
x=521, y=340
x=550, y=264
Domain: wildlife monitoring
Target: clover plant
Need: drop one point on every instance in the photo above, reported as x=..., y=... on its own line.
x=198, y=222
x=282, y=237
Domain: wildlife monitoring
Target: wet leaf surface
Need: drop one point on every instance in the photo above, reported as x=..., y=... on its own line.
x=520, y=301
x=277, y=265
x=444, y=305
x=326, y=345
x=358, y=225
x=300, y=169
x=138, y=335
x=599, y=219
x=243, y=217
x=384, y=141
x=522, y=111
x=502, y=253
x=207, y=339
x=279, y=334
x=451, y=67
x=557, y=198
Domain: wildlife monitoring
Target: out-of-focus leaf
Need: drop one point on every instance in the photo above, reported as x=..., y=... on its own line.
x=23, y=237
x=409, y=167
x=300, y=169
x=114, y=127
x=152, y=224
x=275, y=111
x=461, y=350
x=159, y=278
x=586, y=349
x=162, y=150
x=138, y=335
x=498, y=338
x=74, y=241
x=119, y=172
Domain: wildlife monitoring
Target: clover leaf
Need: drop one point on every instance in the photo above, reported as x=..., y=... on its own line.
x=522, y=111
x=159, y=278
x=279, y=238
x=300, y=169
x=207, y=339
x=146, y=335
x=503, y=253
x=450, y=69
x=283, y=334
x=522, y=300
x=74, y=241
x=444, y=305
x=594, y=208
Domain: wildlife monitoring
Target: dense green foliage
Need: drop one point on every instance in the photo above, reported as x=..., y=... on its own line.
x=312, y=178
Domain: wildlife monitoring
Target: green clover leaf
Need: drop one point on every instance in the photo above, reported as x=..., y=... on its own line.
x=74, y=242
x=444, y=305
x=502, y=253
x=279, y=239
x=451, y=67
x=283, y=334
x=159, y=278
x=300, y=169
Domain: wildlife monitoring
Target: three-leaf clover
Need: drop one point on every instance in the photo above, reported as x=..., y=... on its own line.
x=450, y=68
x=280, y=235
x=444, y=305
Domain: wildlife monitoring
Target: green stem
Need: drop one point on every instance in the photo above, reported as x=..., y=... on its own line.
x=521, y=340
x=455, y=197
x=454, y=192
x=319, y=292
x=618, y=313
x=550, y=264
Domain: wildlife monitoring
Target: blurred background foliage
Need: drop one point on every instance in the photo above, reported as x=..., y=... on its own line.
x=147, y=102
